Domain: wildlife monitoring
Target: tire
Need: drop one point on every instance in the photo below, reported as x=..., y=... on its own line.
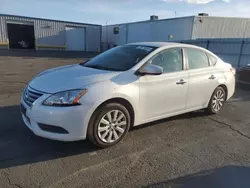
x=101, y=125
x=217, y=101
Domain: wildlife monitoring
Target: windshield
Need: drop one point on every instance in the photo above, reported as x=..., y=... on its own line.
x=120, y=58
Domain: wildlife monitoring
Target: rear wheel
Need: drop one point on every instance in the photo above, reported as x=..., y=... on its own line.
x=109, y=125
x=217, y=101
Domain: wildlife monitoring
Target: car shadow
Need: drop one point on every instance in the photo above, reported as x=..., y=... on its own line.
x=19, y=146
x=190, y=115
x=228, y=177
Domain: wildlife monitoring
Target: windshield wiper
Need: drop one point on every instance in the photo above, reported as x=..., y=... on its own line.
x=95, y=66
x=82, y=63
x=100, y=67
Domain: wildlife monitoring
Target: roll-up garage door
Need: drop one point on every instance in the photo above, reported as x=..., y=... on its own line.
x=21, y=36
x=75, y=38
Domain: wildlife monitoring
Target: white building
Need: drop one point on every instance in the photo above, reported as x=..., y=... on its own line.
x=176, y=29
x=19, y=32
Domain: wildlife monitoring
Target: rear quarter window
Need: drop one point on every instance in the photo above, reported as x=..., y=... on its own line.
x=212, y=59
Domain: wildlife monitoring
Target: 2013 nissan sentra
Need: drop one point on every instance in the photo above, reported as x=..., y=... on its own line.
x=124, y=87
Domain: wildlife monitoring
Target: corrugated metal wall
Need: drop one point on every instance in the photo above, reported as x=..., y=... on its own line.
x=93, y=39
x=3, y=37
x=220, y=27
x=53, y=33
x=161, y=30
x=186, y=28
x=108, y=35
x=157, y=30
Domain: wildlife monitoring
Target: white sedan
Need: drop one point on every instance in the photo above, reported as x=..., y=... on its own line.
x=124, y=87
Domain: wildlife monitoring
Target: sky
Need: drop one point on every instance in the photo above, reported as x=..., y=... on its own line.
x=121, y=11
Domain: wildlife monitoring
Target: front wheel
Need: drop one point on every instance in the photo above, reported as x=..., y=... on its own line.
x=109, y=125
x=217, y=101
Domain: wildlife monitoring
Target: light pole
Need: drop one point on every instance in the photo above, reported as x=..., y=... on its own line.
x=107, y=35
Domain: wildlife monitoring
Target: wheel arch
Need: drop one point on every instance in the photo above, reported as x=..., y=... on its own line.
x=225, y=88
x=208, y=108
x=221, y=85
x=121, y=101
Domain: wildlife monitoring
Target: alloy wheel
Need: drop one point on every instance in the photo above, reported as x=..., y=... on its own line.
x=112, y=126
x=218, y=100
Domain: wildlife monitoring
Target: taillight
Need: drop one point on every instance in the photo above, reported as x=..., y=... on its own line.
x=233, y=71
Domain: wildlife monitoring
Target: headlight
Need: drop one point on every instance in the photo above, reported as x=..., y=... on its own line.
x=65, y=98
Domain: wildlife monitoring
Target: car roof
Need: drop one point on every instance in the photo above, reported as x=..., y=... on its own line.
x=172, y=44
x=161, y=44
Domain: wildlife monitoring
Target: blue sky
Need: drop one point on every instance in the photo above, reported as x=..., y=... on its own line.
x=120, y=11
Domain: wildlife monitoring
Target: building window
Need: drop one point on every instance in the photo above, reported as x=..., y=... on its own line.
x=116, y=30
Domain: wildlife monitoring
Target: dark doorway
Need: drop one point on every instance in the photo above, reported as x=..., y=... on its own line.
x=21, y=36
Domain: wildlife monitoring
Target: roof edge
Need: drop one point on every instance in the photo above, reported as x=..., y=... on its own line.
x=45, y=19
x=184, y=17
x=145, y=21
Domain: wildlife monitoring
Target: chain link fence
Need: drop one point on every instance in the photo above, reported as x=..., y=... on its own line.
x=234, y=51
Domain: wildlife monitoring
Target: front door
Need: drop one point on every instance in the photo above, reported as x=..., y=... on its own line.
x=164, y=94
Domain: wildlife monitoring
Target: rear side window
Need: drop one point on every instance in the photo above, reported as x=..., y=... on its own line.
x=213, y=60
x=196, y=59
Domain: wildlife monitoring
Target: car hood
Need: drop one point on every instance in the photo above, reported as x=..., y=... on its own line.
x=68, y=78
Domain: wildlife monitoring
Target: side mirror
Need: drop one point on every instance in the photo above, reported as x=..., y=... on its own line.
x=150, y=69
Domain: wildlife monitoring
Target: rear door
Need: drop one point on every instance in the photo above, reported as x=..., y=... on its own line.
x=202, y=76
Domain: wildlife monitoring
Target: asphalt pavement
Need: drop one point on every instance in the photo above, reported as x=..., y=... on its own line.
x=190, y=150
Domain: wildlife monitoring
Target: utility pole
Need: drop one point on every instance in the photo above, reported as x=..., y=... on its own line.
x=107, y=35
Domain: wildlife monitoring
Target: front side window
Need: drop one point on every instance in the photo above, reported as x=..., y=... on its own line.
x=171, y=60
x=120, y=58
x=196, y=58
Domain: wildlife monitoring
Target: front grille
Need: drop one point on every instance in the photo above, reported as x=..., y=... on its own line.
x=31, y=95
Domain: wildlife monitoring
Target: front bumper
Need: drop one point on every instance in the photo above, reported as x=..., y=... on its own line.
x=72, y=119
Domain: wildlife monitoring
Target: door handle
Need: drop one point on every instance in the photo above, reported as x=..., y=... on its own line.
x=181, y=82
x=212, y=77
